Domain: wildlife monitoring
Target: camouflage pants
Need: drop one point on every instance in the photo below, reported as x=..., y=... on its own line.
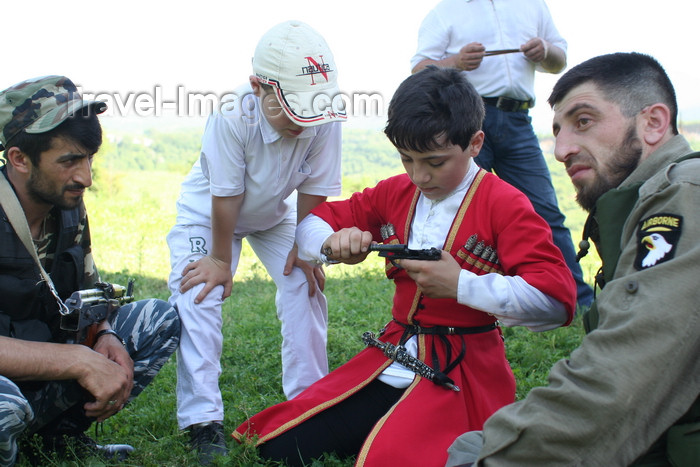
x=151, y=330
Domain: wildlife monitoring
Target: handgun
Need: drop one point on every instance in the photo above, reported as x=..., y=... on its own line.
x=394, y=251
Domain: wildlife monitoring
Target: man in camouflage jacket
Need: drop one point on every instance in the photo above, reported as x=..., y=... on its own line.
x=57, y=389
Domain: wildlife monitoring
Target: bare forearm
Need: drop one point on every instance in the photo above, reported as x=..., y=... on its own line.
x=22, y=360
x=305, y=203
x=555, y=61
x=224, y=216
x=448, y=62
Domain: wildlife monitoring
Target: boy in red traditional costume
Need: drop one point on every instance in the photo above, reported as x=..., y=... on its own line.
x=498, y=263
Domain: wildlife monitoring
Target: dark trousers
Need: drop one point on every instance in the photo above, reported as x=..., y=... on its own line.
x=340, y=429
x=511, y=149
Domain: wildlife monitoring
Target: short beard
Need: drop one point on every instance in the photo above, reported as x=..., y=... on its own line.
x=620, y=166
x=38, y=191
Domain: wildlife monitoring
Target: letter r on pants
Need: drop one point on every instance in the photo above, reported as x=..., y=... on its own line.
x=198, y=245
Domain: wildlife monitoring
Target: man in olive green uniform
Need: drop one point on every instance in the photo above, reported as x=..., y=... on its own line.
x=629, y=394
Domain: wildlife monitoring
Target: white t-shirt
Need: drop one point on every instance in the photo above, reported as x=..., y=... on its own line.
x=242, y=153
x=497, y=24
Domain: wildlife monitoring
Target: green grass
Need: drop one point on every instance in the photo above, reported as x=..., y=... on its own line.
x=129, y=226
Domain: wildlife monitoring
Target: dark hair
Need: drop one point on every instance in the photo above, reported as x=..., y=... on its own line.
x=632, y=80
x=82, y=128
x=430, y=104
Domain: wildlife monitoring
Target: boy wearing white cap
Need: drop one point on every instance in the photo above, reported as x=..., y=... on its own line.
x=282, y=135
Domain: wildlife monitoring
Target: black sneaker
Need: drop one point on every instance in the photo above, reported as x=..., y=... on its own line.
x=208, y=440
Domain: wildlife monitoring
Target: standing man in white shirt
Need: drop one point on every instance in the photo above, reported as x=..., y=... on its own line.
x=499, y=44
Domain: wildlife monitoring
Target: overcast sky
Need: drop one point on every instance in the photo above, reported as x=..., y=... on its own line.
x=205, y=46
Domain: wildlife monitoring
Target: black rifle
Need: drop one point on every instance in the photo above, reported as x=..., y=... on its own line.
x=87, y=308
x=394, y=251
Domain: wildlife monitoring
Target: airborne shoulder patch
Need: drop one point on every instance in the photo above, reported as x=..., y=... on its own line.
x=657, y=237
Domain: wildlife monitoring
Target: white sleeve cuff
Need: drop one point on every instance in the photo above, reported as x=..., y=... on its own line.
x=511, y=300
x=312, y=231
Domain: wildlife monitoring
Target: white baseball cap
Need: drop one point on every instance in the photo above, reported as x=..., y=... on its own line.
x=296, y=61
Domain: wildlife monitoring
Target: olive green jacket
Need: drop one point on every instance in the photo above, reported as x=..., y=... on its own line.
x=638, y=372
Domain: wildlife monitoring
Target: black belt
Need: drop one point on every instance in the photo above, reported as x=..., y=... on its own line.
x=445, y=330
x=508, y=104
x=439, y=376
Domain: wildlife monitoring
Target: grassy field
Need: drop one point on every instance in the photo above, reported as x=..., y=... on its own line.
x=130, y=215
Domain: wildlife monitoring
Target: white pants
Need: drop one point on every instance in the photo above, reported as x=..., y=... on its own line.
x=304, y=320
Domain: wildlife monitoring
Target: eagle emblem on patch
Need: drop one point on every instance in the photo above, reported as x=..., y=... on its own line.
x=657, y=238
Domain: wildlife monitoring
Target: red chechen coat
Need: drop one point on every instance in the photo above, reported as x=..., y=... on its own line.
x=418, y=430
